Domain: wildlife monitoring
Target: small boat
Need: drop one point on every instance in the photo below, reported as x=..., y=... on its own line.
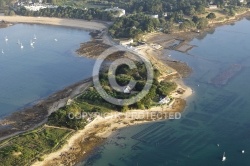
x=224, y=157
x=218, y=145
x=34, y=37
x=2, y=51
x=18, y=42
x=56, y=40
x=6, y=38
x=31, y=43
x=243, y=151
x=21, y=46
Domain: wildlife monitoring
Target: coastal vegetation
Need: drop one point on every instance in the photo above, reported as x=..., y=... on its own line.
x=26, y=148
x=123, y=75
x=70, y=12
x=91, y=101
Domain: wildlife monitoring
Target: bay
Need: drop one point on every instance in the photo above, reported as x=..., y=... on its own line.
x=30, y=73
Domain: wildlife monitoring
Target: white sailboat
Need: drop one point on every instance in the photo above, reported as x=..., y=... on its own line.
x=2, y=51
x=6, y=38
x=34, y=37
x=31, y=43
x=21, y=46
x=224, y=157
x=18, y=42
x=243, y=151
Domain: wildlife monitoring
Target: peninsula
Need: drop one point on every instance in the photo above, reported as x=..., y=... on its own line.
x=52, y=138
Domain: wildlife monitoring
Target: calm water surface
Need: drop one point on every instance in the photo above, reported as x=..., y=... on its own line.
x=29, y=74
x=214, y=115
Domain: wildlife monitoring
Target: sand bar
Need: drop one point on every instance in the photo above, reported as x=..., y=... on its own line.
x=76, y=23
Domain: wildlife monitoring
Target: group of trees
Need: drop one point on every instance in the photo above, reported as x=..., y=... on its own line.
x=91, y=101
x=172, y=15
x=123, y=76
x=133, y=25
x=70, y=12
x=61, y=118
x=157, y=6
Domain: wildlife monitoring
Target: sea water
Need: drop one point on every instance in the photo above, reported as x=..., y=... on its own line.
x=216, y=119
x=33, y=72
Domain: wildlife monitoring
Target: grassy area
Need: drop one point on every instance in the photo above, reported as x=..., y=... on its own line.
x=25, y=148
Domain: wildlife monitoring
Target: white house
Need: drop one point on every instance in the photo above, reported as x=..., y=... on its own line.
x=155, y=16
x=121, y=12
x=165, y=100
x=69, y=101
x=126, y=42
x=213, y=7
x=37, y=7
x=243, y=1
x=127, y=89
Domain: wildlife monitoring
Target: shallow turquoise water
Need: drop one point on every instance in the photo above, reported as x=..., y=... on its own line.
x=29, y=74
x=214, y=115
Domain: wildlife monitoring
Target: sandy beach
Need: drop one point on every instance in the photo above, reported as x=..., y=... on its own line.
x=76, y=23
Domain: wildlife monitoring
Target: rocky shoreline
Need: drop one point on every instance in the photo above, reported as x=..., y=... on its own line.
x=36, y=115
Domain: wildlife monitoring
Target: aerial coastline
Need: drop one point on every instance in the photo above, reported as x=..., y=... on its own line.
x=67, y=148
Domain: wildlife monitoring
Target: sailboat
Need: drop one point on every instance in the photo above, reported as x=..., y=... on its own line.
x=6, y=38
x=31, y=43
x=21, y=46
x=34, y=37
x=2, y=51
x=224, y=157
x=18, y=41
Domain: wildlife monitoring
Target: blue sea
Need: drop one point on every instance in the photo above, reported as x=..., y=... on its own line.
x=30, y=73
x=216, y=119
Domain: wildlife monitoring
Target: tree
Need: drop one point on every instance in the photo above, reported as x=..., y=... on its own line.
x=231, y=12
x=202, y=23
x=2, y=3
x=168, y=27
x=12, y=13
x=189, y=11
x=187, y=25
x=219, y=3
x=211, y=16
x=200, y=9
x=124, y=108
x=195, y=19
